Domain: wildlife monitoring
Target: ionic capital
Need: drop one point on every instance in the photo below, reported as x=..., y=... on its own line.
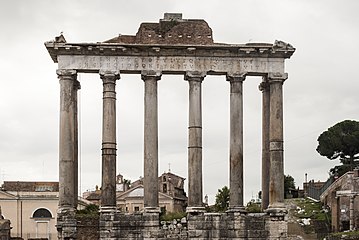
x=240, y=77
x=146, y=75
x=109, y=75
x=263, y=86
x=77, y=85
x=195, y=76
x=66, y=74
x=277, y=77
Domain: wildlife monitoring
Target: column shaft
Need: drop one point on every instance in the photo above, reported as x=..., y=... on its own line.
x=151, y=142
x=76, y=165
x=351, y=214
x=68, y=139
x=195, y=191
x=264, y=87
x=108, y=193
x=276, y=184
x=335, y=218
x=236, y=143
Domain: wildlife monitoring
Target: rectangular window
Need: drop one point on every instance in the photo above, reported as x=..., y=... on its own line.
x=163, y=210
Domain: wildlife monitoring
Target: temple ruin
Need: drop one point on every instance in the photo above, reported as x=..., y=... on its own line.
x=182, y=47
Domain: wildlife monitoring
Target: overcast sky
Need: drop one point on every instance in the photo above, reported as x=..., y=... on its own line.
x=322, y=88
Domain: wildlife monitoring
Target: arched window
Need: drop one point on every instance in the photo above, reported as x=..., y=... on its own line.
x=42, y=213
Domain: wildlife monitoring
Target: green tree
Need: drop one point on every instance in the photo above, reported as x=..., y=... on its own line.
x=341, y=141
x=222, y=199
x=288, y=184
x=339, y=170
x=90, y=209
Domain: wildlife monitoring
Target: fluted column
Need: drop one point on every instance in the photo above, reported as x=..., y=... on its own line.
x=276, y=183
x=150, y=79
x=264, y=87
x=236, y=143
x=195, y=192
x=68, y=138
x=108, y=193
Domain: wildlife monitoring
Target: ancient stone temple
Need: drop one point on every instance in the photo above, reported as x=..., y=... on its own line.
x=183, y=47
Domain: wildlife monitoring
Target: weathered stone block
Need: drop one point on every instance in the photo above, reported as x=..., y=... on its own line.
x=4, y=229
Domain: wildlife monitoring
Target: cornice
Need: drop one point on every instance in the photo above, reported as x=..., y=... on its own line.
x=264, y=50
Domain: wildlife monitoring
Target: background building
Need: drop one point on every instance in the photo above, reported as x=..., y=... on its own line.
x=172, y=197
x=342, y=199
x=32, y=208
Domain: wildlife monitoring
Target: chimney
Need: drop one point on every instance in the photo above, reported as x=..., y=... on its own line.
x=356, y=172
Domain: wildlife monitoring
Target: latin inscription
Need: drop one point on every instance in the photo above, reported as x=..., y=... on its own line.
x=171, y=64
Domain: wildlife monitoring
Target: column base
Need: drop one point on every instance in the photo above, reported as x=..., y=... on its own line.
x=277, y=211
x=195, y=210
x=66, y=223
x=151, y=210
x=107, y=220
x=66, y=211
x=108, y=209
x=237, y=209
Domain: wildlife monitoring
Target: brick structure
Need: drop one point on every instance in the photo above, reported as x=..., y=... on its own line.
x=342, y=199
x=172, y=29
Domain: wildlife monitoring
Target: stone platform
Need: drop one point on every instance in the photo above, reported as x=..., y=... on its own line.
x=229, y=225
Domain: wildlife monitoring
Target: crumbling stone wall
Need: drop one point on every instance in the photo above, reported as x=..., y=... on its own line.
x=88, y=227
x=201, y=226
x=170, y=30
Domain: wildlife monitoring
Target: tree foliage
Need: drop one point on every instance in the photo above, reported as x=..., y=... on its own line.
x=90, y=209
x=341, y=141
x=253, y=207
x=222, y=199
x=288, y=184
x=339, y=170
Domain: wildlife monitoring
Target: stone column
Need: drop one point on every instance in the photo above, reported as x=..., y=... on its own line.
x=195, y=192
x=351, y=213
x=264, y=87
x=276, y=179
x=108, y=193
x=67, y=154
x=67, y=148
x=335, y=207
x=76, y=166
x=236, y=143
x=150, y=181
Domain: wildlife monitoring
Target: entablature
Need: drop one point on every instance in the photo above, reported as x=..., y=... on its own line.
x=277, y=50
x=172, y=46
x=172, y=64
x=252, y=59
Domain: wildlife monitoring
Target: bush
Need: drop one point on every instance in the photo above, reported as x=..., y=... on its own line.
x=169, y=216
x=90, y=209
x=253, y=207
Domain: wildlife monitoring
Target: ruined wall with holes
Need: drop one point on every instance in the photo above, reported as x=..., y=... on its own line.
x=229, y=225
x=172, y=29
